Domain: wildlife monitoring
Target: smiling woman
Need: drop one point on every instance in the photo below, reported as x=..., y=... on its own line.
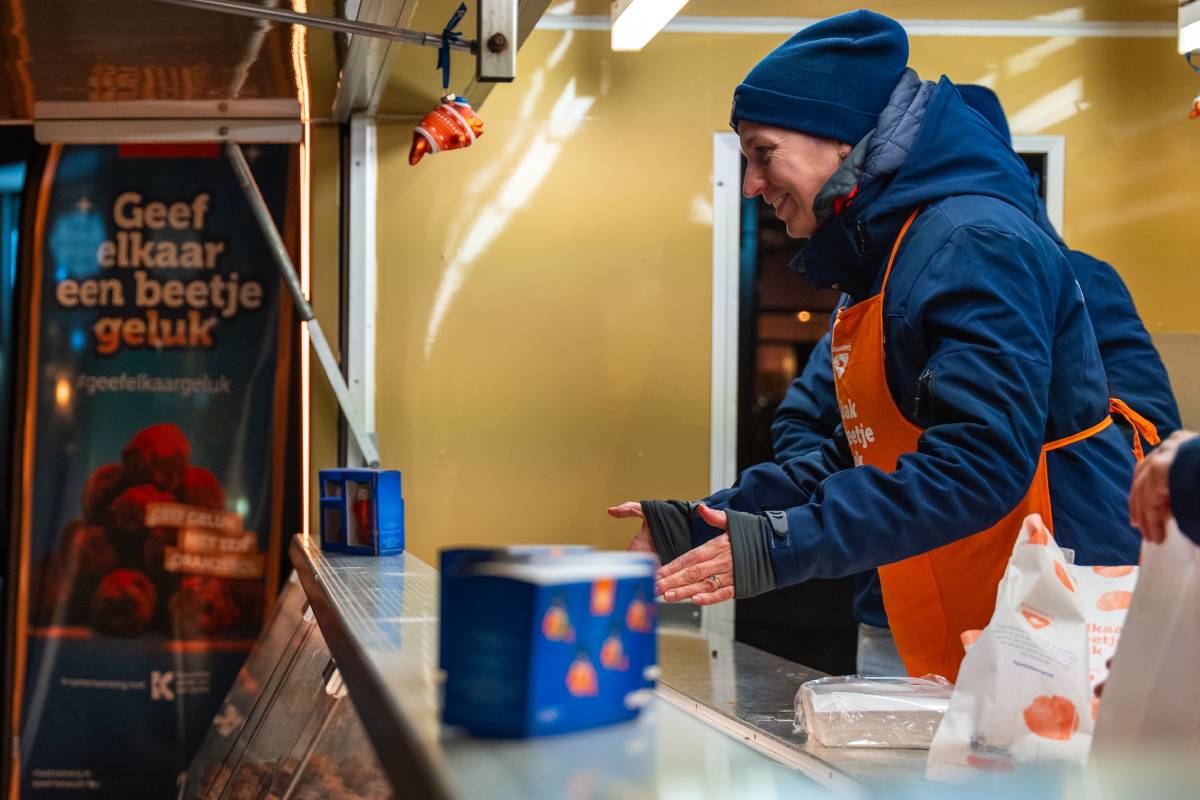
x=927, y=165
x=788, y=169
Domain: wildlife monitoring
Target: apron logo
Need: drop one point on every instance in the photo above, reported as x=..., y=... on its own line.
x=841, y=357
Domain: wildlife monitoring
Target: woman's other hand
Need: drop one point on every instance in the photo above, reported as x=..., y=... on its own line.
x=641, y=543
x=1150, y=495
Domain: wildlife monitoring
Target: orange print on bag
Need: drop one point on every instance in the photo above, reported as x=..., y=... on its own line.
x=1061, y=572
x=1114, y=601
x=1035, y=530
x=1036, y=621
x=1052, y=717
x=1112, y=572
x=989, y=764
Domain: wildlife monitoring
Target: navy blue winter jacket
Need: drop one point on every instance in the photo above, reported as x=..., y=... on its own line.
x=1184, y=480
x=989, y=349
x=808, y=414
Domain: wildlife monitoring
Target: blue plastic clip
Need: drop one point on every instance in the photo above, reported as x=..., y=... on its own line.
x=449, y=35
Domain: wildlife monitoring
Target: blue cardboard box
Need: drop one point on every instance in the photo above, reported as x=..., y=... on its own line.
x=538, y=644
x=455, y=561
x=362, y=511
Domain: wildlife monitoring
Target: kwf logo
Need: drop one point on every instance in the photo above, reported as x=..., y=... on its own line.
x=160, y=685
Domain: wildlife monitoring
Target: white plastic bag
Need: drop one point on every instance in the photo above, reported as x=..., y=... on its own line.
x=1106, y=593
x=1023, y=693
x=1152, y=697
x=858, y=711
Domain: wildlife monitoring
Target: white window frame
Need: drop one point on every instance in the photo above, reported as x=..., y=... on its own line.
x=1055, y=150
x=727, y=229
x=361, y=283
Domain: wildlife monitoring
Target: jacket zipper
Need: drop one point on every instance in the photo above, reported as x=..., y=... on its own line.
x=923, y=401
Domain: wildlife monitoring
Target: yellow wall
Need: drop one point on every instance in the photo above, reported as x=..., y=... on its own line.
x=323, y=253
x=544, y=297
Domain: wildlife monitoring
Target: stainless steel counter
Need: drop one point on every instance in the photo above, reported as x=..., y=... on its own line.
x=750, y=693
x=721, y=723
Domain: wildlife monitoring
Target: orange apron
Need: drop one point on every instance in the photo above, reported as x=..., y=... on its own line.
x=931, y=598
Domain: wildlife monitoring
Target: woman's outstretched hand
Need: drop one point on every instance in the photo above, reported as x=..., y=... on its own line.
x=705, y=574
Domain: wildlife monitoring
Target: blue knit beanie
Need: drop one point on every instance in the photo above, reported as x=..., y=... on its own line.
x=984, y=100
x=831, y=79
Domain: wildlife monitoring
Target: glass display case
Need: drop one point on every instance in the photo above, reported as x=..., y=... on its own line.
x=347, y=669
x=287, y=728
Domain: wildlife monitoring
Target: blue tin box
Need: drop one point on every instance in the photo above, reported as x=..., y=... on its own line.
x=362, y=511
x=454, y=562
x=539, y=644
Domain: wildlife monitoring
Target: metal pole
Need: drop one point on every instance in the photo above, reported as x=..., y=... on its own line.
x=325, y=357
x=244, y=9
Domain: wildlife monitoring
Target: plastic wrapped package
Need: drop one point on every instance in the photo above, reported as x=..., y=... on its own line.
x=859, y=711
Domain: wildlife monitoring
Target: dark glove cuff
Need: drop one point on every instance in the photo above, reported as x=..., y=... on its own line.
x=750, y=544
x=669, y=527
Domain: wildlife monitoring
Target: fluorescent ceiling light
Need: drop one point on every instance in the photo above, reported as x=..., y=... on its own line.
x=634, y=22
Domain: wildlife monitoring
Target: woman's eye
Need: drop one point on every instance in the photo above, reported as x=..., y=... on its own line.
x=763, y=153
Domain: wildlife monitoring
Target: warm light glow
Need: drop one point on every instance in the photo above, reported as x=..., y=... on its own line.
x=1050, y=109
x=62, y=393
x=635, y=22
x=804, y=316
x=300, y=65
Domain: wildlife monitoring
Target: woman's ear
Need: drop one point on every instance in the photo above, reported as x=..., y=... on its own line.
x=843, y=151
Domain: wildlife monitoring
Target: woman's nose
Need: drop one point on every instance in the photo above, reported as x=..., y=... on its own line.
x=752, y=184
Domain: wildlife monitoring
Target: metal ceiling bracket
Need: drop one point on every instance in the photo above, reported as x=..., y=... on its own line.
x=528, y=13
x=246, y=9
x=118, y=121
x=328, y=362
x=498, y=40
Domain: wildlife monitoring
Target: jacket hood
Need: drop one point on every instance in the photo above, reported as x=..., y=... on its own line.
x=929, y=145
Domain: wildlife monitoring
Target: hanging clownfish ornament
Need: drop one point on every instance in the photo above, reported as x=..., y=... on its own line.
x=450, y=126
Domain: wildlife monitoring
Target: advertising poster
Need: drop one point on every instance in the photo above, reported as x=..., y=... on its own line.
x=155, y=419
